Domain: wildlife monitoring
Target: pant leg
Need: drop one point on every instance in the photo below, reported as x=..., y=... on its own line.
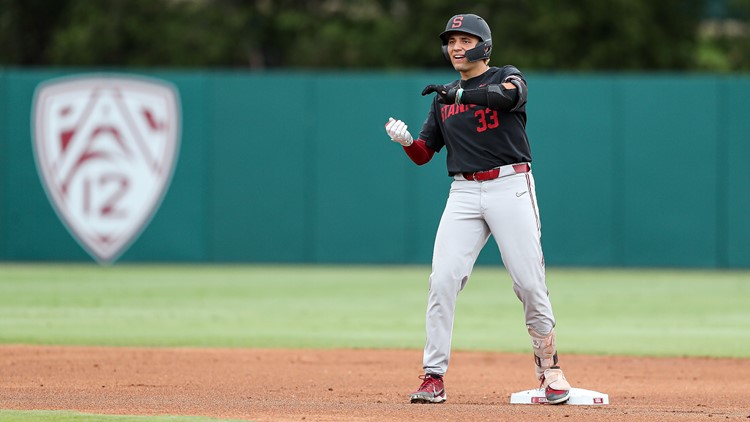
x=511, y=211
x=460, y=237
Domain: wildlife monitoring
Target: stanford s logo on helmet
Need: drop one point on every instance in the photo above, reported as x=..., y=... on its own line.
x=470, y=24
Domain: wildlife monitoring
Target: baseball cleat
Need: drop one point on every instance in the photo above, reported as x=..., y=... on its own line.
x=556, y=396
x=556, y=387
x=432, y=390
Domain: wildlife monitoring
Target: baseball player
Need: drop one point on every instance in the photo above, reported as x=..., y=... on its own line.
x=480, y=119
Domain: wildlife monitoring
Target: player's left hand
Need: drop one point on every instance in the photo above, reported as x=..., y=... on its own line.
x=445, y=95
x=399, y=132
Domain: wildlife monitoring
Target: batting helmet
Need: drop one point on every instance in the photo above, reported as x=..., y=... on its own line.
x=470, y=24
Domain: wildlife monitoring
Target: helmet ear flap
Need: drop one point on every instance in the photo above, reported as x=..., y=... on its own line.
x=480, y=52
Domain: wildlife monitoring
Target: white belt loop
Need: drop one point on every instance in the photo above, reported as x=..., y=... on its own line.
x=507, y=170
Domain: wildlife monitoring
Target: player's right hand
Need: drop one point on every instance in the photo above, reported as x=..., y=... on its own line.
x=398, y=131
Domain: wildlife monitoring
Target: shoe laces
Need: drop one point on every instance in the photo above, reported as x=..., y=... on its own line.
x=429, y=380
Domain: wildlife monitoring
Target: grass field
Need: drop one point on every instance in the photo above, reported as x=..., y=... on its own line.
x=622, y=312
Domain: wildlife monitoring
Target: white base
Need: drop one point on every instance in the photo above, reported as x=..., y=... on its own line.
x=578, y=396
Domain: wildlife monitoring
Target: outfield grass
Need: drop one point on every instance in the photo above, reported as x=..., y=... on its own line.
x=623, y=312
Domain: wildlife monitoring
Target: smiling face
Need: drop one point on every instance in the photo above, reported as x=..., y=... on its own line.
x=458, y=44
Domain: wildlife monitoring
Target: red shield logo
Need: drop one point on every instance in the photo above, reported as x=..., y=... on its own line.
x=105, y=150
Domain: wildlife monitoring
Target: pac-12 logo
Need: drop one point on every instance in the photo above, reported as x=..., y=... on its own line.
x=105, y=149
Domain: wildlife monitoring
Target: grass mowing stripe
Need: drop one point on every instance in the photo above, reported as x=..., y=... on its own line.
x=601, y=311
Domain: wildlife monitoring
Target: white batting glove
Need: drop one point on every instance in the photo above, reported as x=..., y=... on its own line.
x=398, y=131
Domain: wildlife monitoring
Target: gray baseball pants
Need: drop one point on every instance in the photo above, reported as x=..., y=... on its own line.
x=506, y=208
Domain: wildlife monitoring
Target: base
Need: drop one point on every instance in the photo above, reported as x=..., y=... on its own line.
x=578, y=396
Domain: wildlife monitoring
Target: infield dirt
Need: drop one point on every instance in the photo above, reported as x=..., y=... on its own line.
x=347, y=385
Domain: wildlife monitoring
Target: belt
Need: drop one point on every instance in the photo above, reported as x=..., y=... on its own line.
x=481, y=176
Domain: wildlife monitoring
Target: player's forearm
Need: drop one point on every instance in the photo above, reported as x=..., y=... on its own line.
x=503, y=97
x=419, y=152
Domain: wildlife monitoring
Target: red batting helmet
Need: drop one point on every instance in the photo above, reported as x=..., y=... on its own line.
x=469, y=24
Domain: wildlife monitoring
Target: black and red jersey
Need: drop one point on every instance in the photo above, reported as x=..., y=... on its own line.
x=476, y=137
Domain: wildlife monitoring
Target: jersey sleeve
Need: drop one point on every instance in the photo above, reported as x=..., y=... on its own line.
x=430, y=132
x=509, y=70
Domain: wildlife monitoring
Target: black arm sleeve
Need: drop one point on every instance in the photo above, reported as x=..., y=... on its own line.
x=494, y=96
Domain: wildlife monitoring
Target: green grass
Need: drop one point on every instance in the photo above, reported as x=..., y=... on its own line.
x=633, y=312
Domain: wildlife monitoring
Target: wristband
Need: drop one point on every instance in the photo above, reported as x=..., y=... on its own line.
x=459, y=93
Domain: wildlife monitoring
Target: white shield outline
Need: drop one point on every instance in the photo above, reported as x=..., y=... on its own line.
x=160, y=104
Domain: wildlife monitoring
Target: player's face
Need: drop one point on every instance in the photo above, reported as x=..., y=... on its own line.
x=458, y=44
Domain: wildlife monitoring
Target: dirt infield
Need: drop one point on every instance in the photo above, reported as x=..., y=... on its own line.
x=345, y=385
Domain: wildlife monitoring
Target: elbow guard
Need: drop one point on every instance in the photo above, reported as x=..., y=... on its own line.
x=499, y=98
x=521, y=91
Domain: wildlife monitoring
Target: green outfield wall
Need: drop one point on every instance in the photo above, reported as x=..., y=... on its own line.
x=632, y=170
